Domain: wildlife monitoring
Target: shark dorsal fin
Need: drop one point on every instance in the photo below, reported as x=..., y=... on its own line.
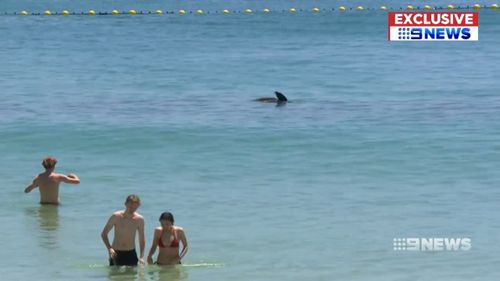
x=281, y=97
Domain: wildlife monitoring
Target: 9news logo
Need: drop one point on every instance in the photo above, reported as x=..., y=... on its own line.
x=433, y=26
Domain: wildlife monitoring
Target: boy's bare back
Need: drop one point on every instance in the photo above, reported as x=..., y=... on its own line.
x=48, y=182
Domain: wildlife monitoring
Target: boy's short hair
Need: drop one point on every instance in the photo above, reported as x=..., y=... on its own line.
x=133, y=198
x=49, y=162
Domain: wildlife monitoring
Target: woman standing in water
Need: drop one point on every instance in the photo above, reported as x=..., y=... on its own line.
x=167, y=238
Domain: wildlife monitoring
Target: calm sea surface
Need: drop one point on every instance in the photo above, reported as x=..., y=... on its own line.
x=380, y=140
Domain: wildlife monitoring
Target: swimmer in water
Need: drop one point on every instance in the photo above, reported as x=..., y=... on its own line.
x=167, y=238
x=48, y=182
x=126, y=224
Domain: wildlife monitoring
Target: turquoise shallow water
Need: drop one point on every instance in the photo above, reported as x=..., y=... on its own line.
x=381, y=140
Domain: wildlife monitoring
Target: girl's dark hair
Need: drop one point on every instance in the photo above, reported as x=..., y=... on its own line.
x=167, y=216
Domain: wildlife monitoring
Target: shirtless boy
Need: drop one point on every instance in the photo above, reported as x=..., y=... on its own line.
x=48, y=182
x=126, y=224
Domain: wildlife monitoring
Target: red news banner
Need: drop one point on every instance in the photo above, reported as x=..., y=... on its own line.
x=433, y=26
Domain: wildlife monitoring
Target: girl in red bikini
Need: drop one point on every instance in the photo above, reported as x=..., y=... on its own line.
x=167, y=237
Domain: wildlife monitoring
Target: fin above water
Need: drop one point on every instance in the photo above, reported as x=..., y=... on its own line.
x=281, y=97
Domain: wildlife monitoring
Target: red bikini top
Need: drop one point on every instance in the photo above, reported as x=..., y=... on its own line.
x=173, y=244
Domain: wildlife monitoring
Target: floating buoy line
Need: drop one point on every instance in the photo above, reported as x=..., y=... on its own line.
x=292, y=10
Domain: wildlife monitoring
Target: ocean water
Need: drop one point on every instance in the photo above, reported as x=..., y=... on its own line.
x=380, y=140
